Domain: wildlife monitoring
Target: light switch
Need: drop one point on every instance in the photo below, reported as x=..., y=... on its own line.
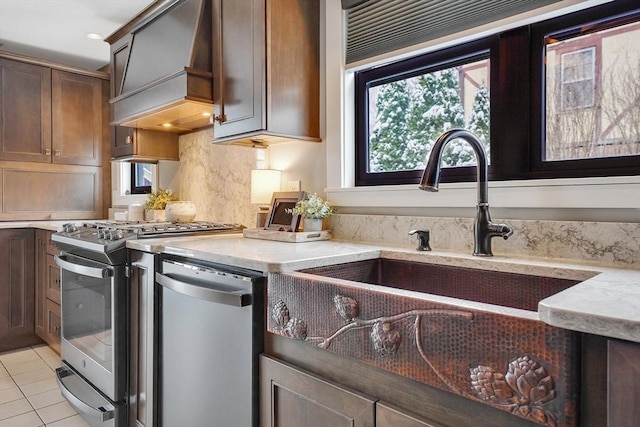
x=293, y=186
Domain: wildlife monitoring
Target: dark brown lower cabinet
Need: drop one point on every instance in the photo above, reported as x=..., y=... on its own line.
x=17, y=290
x=52, y=325
x=47, y=290
x=624, y=384
x=389, y=416
x=292, y=398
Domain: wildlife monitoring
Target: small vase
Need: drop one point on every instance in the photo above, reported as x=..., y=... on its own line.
x=156, y=215
x=312, y=224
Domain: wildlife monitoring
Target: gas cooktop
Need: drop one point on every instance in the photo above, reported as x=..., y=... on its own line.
x=110, y=236
x=110, y=230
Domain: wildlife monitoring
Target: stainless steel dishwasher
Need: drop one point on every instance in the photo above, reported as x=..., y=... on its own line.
x=210, y=335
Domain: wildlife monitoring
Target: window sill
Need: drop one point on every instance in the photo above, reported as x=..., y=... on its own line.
x=583, y=193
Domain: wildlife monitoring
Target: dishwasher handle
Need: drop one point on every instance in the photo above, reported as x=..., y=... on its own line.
x=240, y=298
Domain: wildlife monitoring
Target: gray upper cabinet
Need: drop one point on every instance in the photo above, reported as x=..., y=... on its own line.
x=266, y=70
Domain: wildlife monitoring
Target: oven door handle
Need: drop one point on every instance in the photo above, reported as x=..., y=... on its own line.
x=101, y=414
x=97, y=272
x=234, y=298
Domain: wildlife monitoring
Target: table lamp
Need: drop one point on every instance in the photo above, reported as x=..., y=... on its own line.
x=264, y=182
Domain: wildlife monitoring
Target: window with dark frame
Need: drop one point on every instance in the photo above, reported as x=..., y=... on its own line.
x=141, y=176
x=403, y=107
x=562, y=100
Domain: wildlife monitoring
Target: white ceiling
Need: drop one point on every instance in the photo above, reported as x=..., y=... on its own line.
x=56, y=30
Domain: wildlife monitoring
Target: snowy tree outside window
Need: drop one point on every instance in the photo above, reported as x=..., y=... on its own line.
x=407, y=116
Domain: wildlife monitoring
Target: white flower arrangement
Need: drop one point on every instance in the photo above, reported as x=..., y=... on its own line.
x=313, y=207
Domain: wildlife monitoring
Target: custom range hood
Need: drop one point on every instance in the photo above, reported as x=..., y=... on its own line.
x=167, y=80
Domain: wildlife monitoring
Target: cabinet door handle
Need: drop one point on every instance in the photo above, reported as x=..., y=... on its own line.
x=222, y=117
x=128, y=139
x=57, y=152
x=47, y=151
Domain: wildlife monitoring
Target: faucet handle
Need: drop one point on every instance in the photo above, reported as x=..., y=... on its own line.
x=423, y=239
x=508, y=231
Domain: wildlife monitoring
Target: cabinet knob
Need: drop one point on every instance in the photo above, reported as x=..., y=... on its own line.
x=220, y=118
x=128, y=140
x=57, y=152
x=47, y=151
x=56, y=328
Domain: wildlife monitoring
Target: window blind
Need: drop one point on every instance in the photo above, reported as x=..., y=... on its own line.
x=375, y=27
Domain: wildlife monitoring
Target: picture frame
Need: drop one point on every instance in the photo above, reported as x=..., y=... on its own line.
x=278, y=219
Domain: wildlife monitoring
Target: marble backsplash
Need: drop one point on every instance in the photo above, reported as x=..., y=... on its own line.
x=217, y=178
x=598, y=243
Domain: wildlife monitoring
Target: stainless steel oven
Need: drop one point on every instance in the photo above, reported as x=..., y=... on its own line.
x=93, y=339
x=95, y=315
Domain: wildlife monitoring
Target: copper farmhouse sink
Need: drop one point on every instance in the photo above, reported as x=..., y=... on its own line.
x=491, y=287
x=470, y=331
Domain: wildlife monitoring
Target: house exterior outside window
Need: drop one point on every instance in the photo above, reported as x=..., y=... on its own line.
x=593, y=94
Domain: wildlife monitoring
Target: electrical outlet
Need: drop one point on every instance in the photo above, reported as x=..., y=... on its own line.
x=293, y=185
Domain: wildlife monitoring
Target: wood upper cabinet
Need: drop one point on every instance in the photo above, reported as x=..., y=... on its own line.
x=77, y=119
x=121, y=137
x=266, y=69
x=49, y=115
x=17, y=297
x=143, y=144
x=127, y=142
x=25, y=112
x=291, y=398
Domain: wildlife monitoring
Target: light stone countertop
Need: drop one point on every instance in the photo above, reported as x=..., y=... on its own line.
x=44, y=225
x=606, y=302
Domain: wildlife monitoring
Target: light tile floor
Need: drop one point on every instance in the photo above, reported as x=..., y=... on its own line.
x=29, y=394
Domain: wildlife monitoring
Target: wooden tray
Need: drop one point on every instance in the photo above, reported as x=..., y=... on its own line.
x=286, y=236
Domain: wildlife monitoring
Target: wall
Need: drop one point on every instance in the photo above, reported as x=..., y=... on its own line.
x=217, y=178
x=600, y=227
x=597, y=243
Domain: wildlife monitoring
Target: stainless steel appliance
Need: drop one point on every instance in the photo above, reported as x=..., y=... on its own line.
x=95, y=318
x=211, y=333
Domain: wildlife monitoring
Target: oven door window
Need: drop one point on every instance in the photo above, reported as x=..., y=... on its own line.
x=87, y=314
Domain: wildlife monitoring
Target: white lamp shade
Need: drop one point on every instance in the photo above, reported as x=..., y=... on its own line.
x=264, y=182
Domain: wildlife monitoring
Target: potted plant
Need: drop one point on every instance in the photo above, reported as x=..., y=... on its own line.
x=313, y=210
x=156, y=202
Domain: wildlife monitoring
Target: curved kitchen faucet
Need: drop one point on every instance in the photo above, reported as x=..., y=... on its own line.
x=483, y=230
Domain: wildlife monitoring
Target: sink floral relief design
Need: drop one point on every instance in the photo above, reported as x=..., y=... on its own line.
x=416, y=342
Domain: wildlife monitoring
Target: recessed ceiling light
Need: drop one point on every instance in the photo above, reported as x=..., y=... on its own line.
x=94, y=36
x=166, y=125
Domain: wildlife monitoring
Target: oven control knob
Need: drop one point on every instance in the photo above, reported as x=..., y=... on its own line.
x=69, y=227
